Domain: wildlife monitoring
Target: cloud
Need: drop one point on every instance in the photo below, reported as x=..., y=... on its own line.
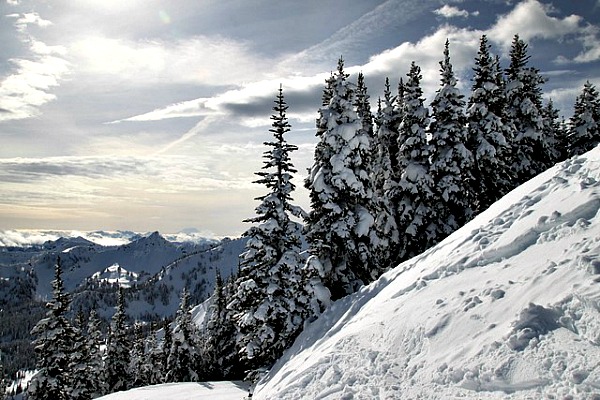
x=195, y=60
x=531, y=20
x=448, y=11
x=28, y=86
x=26, y=19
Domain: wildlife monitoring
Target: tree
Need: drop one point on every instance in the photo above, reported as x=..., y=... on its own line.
x=220, y=355
x=414, y=194
x=79, y=385
x=118, y=348
x=184, y=353
x=385, y=178
x=530, y=148
x=339, y=227
x=555, y=131
x=53, y=344
x=489, y=135
x=270, y=304
x=451, y=161
x=584, y=129
x=95, y=363
x=138, y=355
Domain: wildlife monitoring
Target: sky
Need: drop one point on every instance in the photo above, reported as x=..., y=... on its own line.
x=151, y=115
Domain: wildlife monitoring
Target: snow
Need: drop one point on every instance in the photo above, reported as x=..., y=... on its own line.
x=506, y=307
x=234, y=390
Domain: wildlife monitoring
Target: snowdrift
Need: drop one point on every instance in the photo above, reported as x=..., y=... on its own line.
x=506, y=307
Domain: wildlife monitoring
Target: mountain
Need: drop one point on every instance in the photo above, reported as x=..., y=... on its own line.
x=506, y=307
x=152, y=270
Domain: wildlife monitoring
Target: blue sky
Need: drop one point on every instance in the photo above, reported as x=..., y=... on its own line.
x=150, y=114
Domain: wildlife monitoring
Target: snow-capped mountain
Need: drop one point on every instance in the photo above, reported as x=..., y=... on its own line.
x=153, y=269
x=506, y=307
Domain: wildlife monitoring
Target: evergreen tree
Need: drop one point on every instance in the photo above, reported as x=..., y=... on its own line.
x=95, y=363
x=451, y=161
x=555, y=133
x=530, y=149
x=137, y=357
x=220, y=353
x=385, y=179
x=184, y=354
x=79, y=385
x=53, y=345
x=116, y=370
x=270, y=304
x=339, y=227
x=152, y=368
x=414, y=194
x=584, y=129
x=489, y=135
x=167, y=343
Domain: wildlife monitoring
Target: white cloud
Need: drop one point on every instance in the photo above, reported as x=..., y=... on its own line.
x=28, y=86
x=26, y=19
x=448, y=11
x=531, y=20
x=13, y=2
x=196, y=60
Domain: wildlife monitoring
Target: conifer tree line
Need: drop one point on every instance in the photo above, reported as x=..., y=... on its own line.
x=384, y=187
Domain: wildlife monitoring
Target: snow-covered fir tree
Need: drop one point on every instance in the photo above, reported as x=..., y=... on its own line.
x=95, y=363
x=451, y=161
x=529, y=148
x=220, y=354
x=116, y=365
x=555, y=132
x=166, y=344
x=584, y=125
x=152, y=370
x=54, y=339
x=137, y=357
x=79, y=386
x=414, y=195
x=385, y=179
x=489, y=135
x=183, y=360
x=271, y=303
x=339, y=226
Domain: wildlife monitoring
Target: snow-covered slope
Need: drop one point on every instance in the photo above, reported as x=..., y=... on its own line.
x=507, y=307
x=185, y=391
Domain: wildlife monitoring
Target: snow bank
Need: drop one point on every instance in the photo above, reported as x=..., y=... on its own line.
x=184, y=391
x=507, y=307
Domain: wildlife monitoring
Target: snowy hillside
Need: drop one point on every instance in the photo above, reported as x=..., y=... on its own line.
x=185, y=391
x=507, y=307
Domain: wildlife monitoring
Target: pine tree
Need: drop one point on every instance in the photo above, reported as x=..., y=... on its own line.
x=414, y=194
x=584, y=129
x=95, y=363
x=270, y=304
x=489, y=135
x=339, y=227
x=555, y=133
x=167, y=343
x=137, y=358
x=117, y=352
x=220, y=353
x=79, y=384
x=385, y=178
x=151, y=370
x=524, y=110
x=53, y=345
x=451, y=161
x=184, y=353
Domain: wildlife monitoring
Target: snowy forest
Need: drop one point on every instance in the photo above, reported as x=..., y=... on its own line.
x=385, y=186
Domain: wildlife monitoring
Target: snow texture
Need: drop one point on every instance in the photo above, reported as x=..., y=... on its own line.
x=506, y=307
x=185, y=391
